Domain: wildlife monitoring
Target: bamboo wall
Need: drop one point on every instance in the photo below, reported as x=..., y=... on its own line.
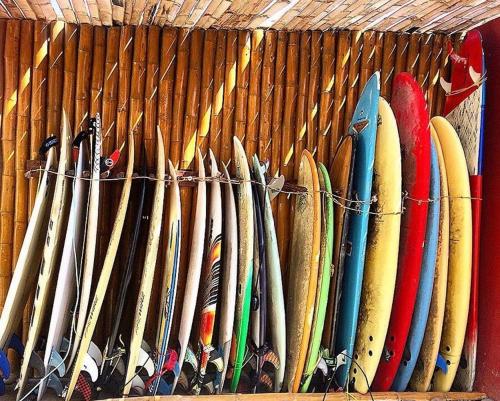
x=278, y=92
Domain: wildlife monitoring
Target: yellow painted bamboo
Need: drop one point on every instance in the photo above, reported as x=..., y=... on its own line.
x=229, y=95
x=97, y=80
x=83, y=78
x=353, y=77
x=313, y=91
x=388, y=59
x=207, y=87
x=55, y=78
x=242, y=80
x=218, y=94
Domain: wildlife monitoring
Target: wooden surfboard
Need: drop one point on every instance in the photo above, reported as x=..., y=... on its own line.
x=464, y=109
x=364, y=126
x=410, y=109
x=28, y=262
x=341, y=173
x=460, y=258
x=106, y=271
x=194, y=270
x=325, y=263
x=303, y=271
x=70, y=264
x=276, y=302
x=426, y=362
x=153, y=242
x=423, y=300
x=244, y=205
x=229, y=278
x=381, y=260
x=53, y=243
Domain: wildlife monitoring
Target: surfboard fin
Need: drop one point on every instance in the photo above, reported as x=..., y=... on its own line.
x=95, y=353
x=475, y=76
x=145, y=362
x=90, y=366
x=54, y=383
x=16, y=344
x=441, y=363
x=4, y=366
x=445, y=85
x=191, y=359
x=64, y=348
x=57, y=362
x=271, y=358
x=138, y=385
x=37, y=364
x=275, y=186
x=216, y=359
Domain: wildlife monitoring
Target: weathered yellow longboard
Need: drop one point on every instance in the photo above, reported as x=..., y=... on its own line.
x=381, y=260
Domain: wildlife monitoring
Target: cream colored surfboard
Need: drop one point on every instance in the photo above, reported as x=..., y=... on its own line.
x=53, y=243
x=106, y=271
x=426, y=364
x=303, y=271
x=460, y=258
x=153, y=242
x=381, y=260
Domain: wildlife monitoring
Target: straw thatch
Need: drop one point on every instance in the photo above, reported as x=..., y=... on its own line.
x=387, y=15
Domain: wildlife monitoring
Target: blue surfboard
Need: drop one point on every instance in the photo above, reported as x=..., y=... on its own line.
x=364, y=127
x=424, y=295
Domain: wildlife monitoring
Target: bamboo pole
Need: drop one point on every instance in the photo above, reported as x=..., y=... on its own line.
x=83, y=78
x=166, y=84
x=402, y=43
x=192, y=100
x=326, y=99
x=444, y=71
x=137, y=83
x=229, y=95
x=8, y=142
x=424, y=62
x=3, y=25
x=181, y=78
x=207, y=87
x=55, y=77
x=313, y=91
x=70, y=66
x=437, y=49
x=340, y=90
x=388, y=59
x=254, y=93
x=150, y=95
x=302, y=91
x=367, y=58
x=22, y=151
x=287, y=142
x=97, y=80
x=413, y=54
x=218, y=94
x=353, y=78
x=379, y=51
x=242, y=79
x=267, y=92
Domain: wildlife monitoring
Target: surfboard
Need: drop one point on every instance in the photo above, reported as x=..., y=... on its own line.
x=86, y=274
x=276, y=302
x=210, y=275
x=410, y=109
x=194, y=272
x=303, y=271
x=341, y=173
x=381, y=260
x=229, y=278
x=70, y=264
x=364, y=126
x=325, y=264
x=423, y=300
x=244, y=205
x=460, y=258
x=30, y=255
x=464, y=109
x=153, y=242
x=426, y=362
x=107, y=267
x=53, y=241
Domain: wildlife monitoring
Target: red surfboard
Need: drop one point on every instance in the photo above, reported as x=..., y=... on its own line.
x=464, y=109
x=412, y=117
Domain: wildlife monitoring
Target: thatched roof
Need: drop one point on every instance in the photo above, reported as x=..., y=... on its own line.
x=383, y=15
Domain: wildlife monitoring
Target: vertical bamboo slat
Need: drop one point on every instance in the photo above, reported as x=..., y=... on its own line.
x=218, y=94
x=242, y=79
x=444, y=71
x=229, y=95
x=266, y=96
x=83, y=78
x=8, y=142
x=3, y=25
x=70, y=67
x=424, y=62
x=388, y=59
x=379, y=51
x=340, y=90
x=402, y=43
x=437, y=49
x=313, y=91
x=55, y=77
x=367, y=58
x=412, y=60
x=207, y=87
x=353, y=77
x=326, y=99
x=97, y=79
x=301, y=110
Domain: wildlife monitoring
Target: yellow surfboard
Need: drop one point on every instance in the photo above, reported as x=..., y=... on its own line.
x=426, y=363
x=303, y=271
x=460, y=258
x=381, y=260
